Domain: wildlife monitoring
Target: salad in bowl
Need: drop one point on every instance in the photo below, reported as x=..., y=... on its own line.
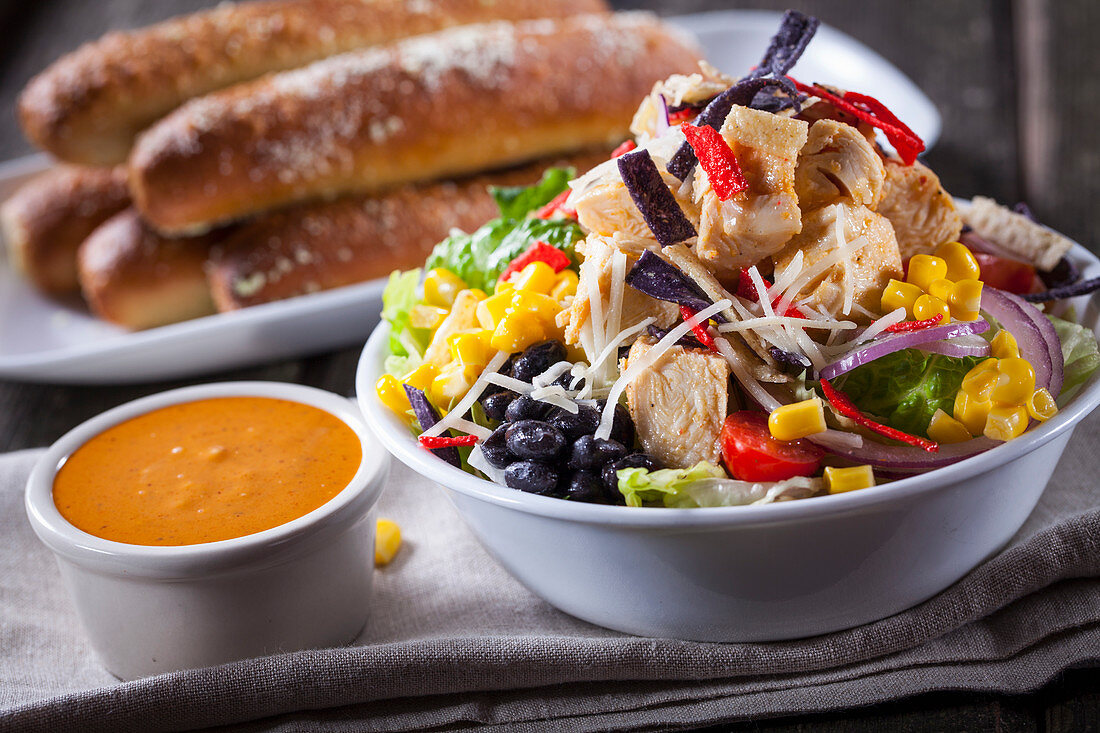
x=763, y=296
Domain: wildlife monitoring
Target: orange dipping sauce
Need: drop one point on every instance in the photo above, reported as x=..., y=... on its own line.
x=207, y=470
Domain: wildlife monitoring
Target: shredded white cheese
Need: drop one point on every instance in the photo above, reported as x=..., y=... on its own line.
x=454, y=419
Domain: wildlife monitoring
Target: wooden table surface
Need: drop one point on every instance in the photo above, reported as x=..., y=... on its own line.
x=1017, y=83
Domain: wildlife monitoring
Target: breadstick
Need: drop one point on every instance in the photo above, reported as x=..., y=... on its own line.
x=132, y=276
x=441, y=105
x=322, y=245
x=46, y=220
x=88, y=106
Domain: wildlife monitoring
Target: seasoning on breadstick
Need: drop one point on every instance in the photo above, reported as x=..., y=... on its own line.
x=435, y=106
x=46, y=220
x=88, y=106
x=322, y=245
x=132, y=276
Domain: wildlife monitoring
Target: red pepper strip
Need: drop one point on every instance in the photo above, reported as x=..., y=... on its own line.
x=874, y=113
x=717, y=159
x=538, y=252
x=624, y=148
x=683, y=114
x=747, y=290
x=844, y=405
x=699, y=330
x=556, y=204
x=907, y=326
x=443, y=441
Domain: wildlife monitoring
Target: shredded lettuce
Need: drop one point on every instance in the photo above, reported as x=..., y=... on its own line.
x=516, y=202
x=1082, y=357
x=706, y=485
x=407, y=344
x=479, y=258
x=904, y=389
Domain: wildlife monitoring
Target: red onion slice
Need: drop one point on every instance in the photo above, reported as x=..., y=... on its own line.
x=959, y=347
x=662, y=123
x=1034, y=333
x=898, y=341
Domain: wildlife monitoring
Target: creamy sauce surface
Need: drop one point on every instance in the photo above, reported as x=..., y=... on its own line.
x=207, y=470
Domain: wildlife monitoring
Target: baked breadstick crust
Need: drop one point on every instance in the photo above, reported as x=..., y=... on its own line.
x=323, y=245
x=436, y=106
x=88, y=106
x=45, y=221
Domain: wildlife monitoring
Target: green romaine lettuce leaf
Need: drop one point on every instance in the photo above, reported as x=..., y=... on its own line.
x=516, y=202
x=407, y=344
x=480, y=257
x=904, y=389
x=665, y=486
x=706, y=485
x=1082, y=357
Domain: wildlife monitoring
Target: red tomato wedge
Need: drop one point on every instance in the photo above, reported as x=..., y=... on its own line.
x=752, y=454
x=1004, y=274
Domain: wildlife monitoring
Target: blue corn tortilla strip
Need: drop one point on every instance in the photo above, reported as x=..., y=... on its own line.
x=658, y=207
x=790, y=362
x=787, y=45
x=658, y=279
x=714, y=114
x=687, y=341
x=427, y=416
x=1069, y=291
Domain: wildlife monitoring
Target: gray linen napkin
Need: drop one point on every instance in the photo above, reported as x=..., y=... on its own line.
x=454, y=641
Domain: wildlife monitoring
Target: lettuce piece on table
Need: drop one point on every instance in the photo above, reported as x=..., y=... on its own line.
x=904, y=389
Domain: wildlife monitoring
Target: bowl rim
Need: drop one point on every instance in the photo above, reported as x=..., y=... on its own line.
x=260, y=549
x=398, y=439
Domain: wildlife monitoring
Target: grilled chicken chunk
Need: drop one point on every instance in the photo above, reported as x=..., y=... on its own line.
x=856, y=252
x=742, y=231
x=838, y=165
x=679, y=404
x=597, y=268
x=923, y=214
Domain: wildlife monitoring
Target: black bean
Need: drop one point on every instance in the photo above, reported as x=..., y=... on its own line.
x=634, y=460
x=525, y=408
x=496, y=403
x=531, y=476
x=588, y=451
x=495, y=448
x=534, y=439
x=583, y=422
x=586, y=486
x=537, y=359
x=622, y=426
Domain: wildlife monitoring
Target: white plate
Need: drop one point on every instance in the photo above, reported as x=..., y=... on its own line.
x=44, y=340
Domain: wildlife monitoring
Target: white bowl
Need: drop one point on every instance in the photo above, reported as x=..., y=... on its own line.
x=752, y=573
x=152, y=609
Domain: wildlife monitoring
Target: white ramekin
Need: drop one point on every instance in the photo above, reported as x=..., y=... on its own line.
x=752, y=573
x=147, y=610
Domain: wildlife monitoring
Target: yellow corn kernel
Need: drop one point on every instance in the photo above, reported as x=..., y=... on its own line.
x=900, y=295
x=946, y=429
x=971, y=411
x=545, y=307
x=941, y=289
x=966, y=300
x=491, y=310
x=387, y=541
x=1016, y=382
x=797, y=420
x=980, y=381
x=453, y=381
x=538, y=277
x=504, y=286
x=427, y=316
x=1041, y=405
x=1005, y=422
x=472, y=347
x=421, y=377
x=516, y=331
x=566, y=284
x=1004, y=345
x=928, y=306
x=392, y=393
x=923, y=269
x=840, y=480
x=961, y=262
x=441, y=287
